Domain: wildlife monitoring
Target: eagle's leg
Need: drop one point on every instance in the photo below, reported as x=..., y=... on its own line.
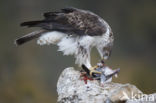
x=84, y=55
x=90, y=71
x=93, y=69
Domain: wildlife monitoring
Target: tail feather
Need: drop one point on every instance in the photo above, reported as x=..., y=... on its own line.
x=31, y=23
x=29, y=37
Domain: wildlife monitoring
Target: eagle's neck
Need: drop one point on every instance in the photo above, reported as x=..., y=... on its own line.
x=107, y=35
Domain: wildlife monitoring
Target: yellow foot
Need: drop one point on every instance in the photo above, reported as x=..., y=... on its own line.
x=93, y=70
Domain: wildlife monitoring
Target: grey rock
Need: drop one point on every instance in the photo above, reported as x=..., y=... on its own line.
x=72, y=89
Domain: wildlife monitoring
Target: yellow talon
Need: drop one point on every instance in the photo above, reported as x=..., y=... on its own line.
x=92, y=70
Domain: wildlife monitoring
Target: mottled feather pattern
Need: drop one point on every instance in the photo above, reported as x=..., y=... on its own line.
x=77, y=21
x=86, y=23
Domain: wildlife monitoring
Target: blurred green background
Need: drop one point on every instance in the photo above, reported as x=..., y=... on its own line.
x=29, y=73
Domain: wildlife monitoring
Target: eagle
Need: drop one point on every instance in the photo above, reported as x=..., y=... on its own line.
x=74, y=31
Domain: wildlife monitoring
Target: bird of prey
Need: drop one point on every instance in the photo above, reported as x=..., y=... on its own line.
x=75, y=32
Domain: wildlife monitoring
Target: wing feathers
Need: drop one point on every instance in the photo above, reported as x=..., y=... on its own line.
x=68, y=9
x=56, y=13
x=50, y=15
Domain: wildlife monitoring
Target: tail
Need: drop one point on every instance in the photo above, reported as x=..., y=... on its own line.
x=29, y=37
x=32, y=23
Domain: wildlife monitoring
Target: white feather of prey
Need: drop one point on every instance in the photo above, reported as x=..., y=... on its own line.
x=87, y=42
x=50, y=38
x=70, y=45
x=66, y=44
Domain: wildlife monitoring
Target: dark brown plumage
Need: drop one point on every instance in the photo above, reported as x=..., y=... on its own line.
x=70, y=20
x=29, y=37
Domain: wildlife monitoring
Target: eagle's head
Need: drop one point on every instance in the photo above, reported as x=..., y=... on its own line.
x=105, y=47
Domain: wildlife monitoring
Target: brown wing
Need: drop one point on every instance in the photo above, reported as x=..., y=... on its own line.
x=86, y=21
x=70, y=20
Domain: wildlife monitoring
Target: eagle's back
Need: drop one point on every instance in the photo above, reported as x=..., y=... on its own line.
x=86, y=21
x=72, y=21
